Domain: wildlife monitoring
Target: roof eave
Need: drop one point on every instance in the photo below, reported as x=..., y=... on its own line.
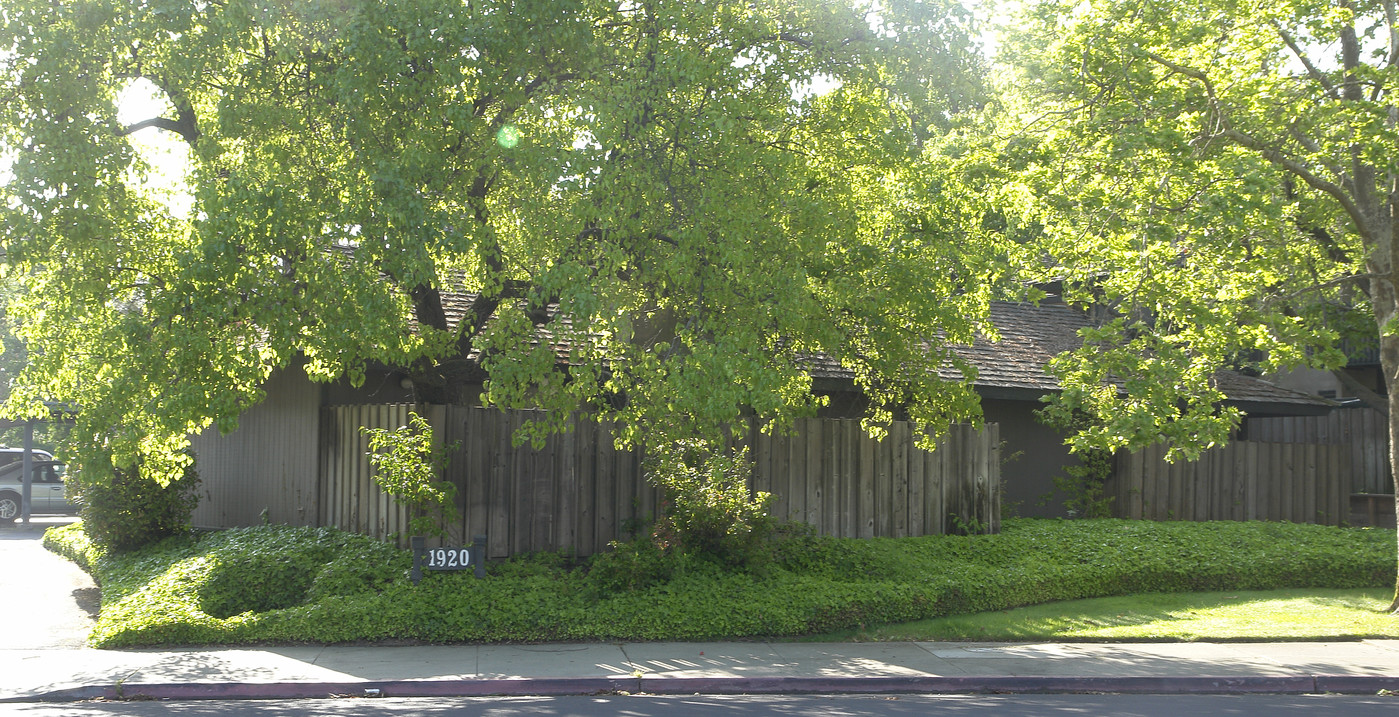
x=1278, y=409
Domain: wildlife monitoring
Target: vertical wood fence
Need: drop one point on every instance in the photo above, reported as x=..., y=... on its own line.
x=578, y=492
x=1363, y=430
x=831, y=475
x=1245, y=480
x=350, y=499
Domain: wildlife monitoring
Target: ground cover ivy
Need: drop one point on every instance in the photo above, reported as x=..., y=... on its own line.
x=283, y=584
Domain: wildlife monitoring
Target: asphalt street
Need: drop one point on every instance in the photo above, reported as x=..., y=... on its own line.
x=752, y=706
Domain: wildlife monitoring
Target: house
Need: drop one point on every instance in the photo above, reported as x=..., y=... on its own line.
x=1013, y=378
x=1362, y=375
x=265, y=469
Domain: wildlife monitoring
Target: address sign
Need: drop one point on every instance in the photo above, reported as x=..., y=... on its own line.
x=448, y=558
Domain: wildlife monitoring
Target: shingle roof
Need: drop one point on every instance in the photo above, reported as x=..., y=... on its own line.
x=1030, y=335
x=455, y=305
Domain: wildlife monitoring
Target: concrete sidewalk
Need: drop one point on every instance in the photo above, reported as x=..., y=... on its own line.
x=1363, y=667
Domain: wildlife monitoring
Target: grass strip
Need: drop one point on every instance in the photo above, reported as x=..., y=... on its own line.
x=1236, y=615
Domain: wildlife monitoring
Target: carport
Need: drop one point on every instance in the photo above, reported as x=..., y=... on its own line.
x=57, y=413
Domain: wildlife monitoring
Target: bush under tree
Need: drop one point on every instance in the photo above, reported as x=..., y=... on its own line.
x=122, y=509
x=407, y=466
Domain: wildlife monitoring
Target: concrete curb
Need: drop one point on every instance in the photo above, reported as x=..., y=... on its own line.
x=554, y=687
x=1356, y=685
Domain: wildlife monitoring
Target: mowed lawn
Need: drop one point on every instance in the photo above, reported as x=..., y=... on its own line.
x=1263, y=615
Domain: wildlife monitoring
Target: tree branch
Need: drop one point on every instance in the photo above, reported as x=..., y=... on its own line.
x=1190, y=72
x=1393, y=21
x=1350, y=59
x=1336, y=191
x=185, y=124
x=1311, y=145
x=1339, y=281
x=1307, y=63
x=782, y=36
x=188, y=133
x=1361, y=391
x=1272, y=153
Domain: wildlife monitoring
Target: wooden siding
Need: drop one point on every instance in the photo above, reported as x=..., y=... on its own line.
x=579, y=492
x=1245, y=480
x=268, y=463
x=1363, y=430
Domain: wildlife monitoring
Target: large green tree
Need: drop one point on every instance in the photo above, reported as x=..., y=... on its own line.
x=1220, y=179
x=691, y=196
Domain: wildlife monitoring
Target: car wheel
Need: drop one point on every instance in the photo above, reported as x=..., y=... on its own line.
x=9, y=507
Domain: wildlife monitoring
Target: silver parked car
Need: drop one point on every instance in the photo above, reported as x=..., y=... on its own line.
x=46, y=493
x=10, y=455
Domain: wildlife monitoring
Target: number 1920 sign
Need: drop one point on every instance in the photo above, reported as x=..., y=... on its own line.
x=448, y=558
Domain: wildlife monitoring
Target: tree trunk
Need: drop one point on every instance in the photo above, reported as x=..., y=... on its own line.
x=1389, y=363
x=1394, y=473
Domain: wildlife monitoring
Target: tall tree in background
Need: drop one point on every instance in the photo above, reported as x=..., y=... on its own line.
x=1221, y=175
x=13, y=358
x=663, y=172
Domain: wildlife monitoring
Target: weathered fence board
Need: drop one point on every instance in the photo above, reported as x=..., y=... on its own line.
x=1363, y=430
x=579, y=493
x=1245, y=480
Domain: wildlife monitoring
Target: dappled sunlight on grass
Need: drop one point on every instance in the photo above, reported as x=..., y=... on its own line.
x=1235, y=615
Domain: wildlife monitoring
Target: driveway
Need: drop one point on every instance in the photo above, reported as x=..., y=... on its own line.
x=48, y=602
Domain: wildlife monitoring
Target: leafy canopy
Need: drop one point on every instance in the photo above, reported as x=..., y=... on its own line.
x=1215, y=177
x=657, y=190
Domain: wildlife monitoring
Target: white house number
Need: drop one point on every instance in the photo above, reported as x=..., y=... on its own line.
x=448, y=558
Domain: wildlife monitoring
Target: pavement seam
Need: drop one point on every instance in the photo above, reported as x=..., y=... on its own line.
x=636, y=671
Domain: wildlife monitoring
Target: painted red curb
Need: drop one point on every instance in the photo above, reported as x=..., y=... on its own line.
x=545, y=687
x=1356, y=684
x=1284, y=684
x=982, y=685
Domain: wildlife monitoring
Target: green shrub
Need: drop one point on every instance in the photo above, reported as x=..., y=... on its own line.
x=708, y=507
x=631, y=565
x=282, y=584
x=406, y=466
x=259, y=584
x=709, y=522
x=357, y=564
x=72, y=542
x=264, y=569
x=1083, y=483
x=124, y=510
